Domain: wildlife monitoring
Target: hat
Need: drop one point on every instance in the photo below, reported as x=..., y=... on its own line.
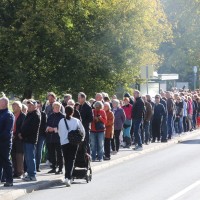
x=32, y=101
x=127, y=95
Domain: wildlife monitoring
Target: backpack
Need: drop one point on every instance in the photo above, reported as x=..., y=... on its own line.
x=75, y=137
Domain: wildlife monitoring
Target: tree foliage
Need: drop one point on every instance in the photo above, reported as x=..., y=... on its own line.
x=182, y=53
x=77, y=45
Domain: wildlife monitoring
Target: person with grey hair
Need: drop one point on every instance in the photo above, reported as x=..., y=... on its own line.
x=6, y=125
x=17, y=147
x=120, y=117
x=76, y=113
x=67, y=97
x=98, y=131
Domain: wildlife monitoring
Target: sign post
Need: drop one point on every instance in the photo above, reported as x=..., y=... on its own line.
x=195, y=69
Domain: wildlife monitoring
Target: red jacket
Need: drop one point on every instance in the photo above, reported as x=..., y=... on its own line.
x=128, y=111
x=102, y=118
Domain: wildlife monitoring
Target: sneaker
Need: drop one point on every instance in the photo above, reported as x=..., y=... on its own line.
x=164, y=141
x=28, y=178
x=52, y=171
x=59, y=172
x=48, y=163
x=106, y=158
x=114, y=152
x=8, y=184
x=17, y=177
x=101, y=160
x=138, y=148
x=38, y=170
x=67, y=182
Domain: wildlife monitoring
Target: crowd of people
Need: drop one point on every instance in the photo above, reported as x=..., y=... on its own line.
x=107, y=125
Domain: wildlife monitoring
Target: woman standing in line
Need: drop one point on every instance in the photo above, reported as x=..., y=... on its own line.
x=69, y=150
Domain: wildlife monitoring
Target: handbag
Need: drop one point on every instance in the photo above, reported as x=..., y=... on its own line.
x=75, y=137
x=99, y=126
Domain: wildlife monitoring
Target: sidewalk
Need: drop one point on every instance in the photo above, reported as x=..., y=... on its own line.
x=46, y=180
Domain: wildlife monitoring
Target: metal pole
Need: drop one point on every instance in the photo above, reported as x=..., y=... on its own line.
x=147, y=77
x=195, y=80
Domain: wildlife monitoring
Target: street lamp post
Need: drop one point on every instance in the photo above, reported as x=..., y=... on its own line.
x=195, y=76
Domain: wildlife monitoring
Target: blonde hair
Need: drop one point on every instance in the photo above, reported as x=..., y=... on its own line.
x=56, y=104
x=18, y=103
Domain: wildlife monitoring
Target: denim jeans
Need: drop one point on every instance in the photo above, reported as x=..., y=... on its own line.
x=137, y=125
x=194, y=120
x=39, y=149
x=29, y=154
x=179, y=125
x=170, y=125
x=97, y=144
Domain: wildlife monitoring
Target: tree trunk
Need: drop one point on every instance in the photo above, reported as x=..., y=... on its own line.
x=27, y=94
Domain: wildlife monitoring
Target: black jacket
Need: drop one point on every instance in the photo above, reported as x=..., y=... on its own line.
x=19, y=123
x=77, y=114
x=53, y=121
x=30, y=127
x=159, y=112
x=43, y=124
x=86, y=115
x=138, y=109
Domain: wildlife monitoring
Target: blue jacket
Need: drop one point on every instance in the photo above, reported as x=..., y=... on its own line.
x=6, y=125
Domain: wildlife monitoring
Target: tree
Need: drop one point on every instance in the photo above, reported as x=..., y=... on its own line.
x=182, y=53
x=80, y=45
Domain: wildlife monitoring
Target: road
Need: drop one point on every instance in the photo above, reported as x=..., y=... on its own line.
x=172, y=173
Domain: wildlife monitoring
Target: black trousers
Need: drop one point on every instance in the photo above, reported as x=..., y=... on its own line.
x=156, y=129
x=185, y=125
x=107, y=143
x=5, y=162
x=87, y=140
x=115, y=140
x=69, y=153
x=55, y=153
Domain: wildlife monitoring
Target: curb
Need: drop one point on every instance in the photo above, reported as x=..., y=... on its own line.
x=137, y=154
x=14, y=194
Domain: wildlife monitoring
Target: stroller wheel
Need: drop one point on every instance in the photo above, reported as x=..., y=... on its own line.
x=90, y=177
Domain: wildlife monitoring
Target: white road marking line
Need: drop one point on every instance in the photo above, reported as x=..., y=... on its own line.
x=182, y=192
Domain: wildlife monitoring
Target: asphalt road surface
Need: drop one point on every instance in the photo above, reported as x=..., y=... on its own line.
x=172, y=173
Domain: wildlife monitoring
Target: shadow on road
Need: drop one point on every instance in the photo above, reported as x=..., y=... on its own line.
x=197, y=141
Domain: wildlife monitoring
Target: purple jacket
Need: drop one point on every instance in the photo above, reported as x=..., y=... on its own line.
x=119, y=118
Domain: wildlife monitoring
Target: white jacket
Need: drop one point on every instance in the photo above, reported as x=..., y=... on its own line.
x=73, y=124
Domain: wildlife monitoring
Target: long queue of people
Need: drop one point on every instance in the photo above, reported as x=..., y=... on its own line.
x=106, y=124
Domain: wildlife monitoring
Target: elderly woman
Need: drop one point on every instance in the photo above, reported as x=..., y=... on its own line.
x=118, y=124
x=109, y=130
x=98, y=131
x=53, y=139
x=17, y=146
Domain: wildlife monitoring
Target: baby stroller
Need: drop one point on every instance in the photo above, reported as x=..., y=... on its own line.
x=82, y=168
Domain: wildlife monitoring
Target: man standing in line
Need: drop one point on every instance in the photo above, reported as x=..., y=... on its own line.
x=86, y=116
x=147, y=119
x=137, y=116
x=6, y=125
x=29, y=133
x=170, y=111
